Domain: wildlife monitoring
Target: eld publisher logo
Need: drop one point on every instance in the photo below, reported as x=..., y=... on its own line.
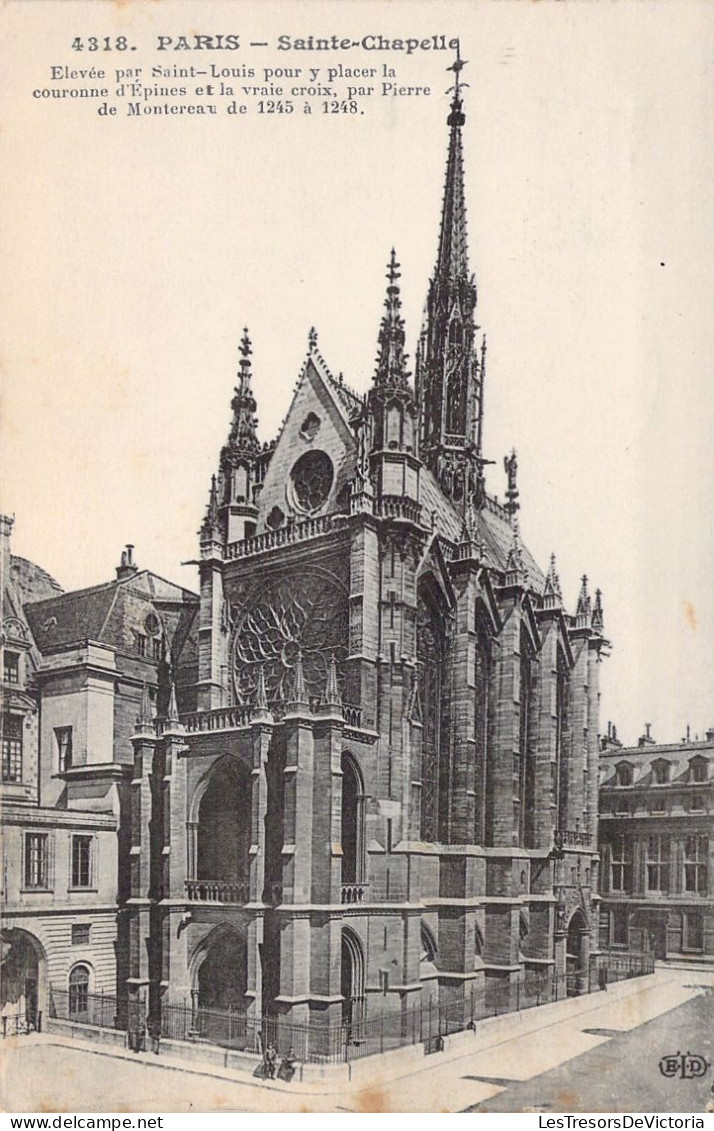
x=686, y=1065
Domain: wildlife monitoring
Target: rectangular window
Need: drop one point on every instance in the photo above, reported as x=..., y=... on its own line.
x=11, y=667
x=63, y=741
x=12, y=747
x=81, y=861
x=698, y=769
x=620, y=925
x=661, y=772
x=693, y=924
x=37, y=860
x=140, y=644
x=80, y=934
x=696, y=853
x=621, y=863
x=156, y=649
x=657, y=863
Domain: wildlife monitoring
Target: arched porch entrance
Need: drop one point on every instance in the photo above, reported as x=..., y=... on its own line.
x=577, y=954
x=22, y=981
x=221, y=979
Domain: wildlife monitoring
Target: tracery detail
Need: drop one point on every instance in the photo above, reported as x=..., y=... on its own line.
x=294, y=615
x=311, y=479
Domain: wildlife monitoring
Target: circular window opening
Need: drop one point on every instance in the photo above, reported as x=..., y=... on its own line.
x=311, y=479
x=151, y=624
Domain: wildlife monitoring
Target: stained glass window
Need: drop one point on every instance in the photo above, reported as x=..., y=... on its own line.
x=311, y=480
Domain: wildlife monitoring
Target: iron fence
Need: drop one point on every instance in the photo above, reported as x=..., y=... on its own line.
x=99, y=1009
x=357, y=1035
x=19, y=1024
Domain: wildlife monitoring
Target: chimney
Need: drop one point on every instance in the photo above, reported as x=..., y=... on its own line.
x=646, y=739
x=710, y=734
x=127, y=567
x=6, y=525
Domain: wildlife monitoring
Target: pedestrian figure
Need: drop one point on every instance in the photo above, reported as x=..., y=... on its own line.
x=287, y=1068
x=155, y=1034
x=269, y=1058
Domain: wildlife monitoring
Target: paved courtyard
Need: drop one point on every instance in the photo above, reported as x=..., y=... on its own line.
x=602, y=1057
x=623, y=1074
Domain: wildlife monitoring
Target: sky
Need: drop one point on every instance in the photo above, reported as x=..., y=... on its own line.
x=138, y=248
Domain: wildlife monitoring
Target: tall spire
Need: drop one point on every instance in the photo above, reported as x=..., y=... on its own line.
x=392, y=412
x=452, y=260
x=391, y=360
x=450, y=358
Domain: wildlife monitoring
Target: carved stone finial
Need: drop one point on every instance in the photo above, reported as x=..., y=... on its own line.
x=552, y=593
x=312, y=339
x=331, y=696
x=145, y=718
x=597, y=620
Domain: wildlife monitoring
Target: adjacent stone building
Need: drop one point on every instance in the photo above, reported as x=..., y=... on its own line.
x=387, y=794
x=75, y=668
x=657, y=847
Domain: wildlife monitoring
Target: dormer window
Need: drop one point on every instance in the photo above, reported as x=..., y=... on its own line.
x=11, y=667
x=625, y=773
x=698, y=768
x=660, y=772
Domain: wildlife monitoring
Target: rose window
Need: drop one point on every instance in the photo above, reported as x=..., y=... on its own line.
x=310, y=481
x=294, y=616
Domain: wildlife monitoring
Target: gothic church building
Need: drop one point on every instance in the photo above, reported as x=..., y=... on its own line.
x=387, y=795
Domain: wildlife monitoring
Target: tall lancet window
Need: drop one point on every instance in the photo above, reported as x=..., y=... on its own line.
x=562, y=739
x=524, y=767
x=456, y=401
x=481, y=724
x=431, y=655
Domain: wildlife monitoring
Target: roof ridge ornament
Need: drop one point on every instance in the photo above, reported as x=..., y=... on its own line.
x=552, y=592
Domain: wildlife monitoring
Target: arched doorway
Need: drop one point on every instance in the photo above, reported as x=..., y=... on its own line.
x=224, y=817
x=352, y=982
x=352, y=823
x=576, y=954
x=22, y=984
x=222, y=977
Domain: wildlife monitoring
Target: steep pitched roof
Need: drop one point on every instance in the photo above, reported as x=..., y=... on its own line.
x=71, y=616
x=494, y=528
x=85, y=613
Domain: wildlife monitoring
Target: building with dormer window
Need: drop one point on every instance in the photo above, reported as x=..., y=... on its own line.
x=657, y=848
x=74, y=675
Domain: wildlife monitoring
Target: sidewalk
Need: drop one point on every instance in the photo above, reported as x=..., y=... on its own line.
x=473, y=1068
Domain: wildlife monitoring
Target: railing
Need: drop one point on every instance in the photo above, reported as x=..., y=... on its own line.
x=573, y=837
x=221, y=718
x=20, y=1024
x=218, y=891
x=86, y=1009
x=285, y=536
x=356, y=1035
x=352, y=893
x=241, y=716
x=395, y=506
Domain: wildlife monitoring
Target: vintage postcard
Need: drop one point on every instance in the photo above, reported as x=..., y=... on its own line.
x=357, y=545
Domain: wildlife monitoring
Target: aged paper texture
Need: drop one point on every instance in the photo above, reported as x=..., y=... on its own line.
x=317, y=829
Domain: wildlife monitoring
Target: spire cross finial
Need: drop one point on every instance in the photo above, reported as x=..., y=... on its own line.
x=393, y=272
x=457, y=66
x=312, y=338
